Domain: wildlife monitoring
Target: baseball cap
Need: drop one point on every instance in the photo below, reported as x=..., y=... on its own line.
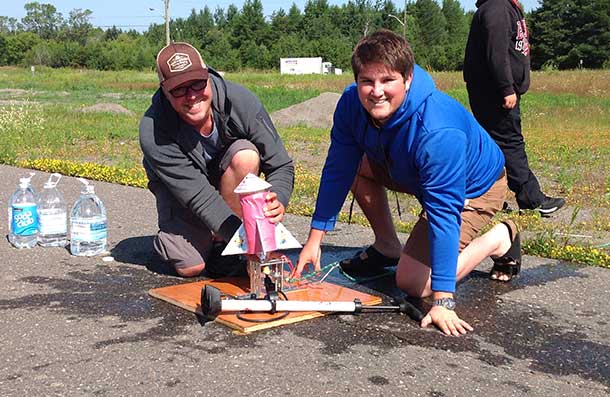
x=178, y=63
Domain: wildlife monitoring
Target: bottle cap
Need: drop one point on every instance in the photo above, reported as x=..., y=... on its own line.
x=51, y=183
x=87, y=188
x=24, y=181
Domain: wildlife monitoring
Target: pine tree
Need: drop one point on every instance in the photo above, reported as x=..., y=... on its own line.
x=564, y=32
x=433, y=33
x=457, y=30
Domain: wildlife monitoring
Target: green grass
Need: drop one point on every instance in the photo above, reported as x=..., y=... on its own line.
x=276, y=98
x=566, y=123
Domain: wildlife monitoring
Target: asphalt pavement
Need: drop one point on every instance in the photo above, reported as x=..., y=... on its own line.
x=83, y=326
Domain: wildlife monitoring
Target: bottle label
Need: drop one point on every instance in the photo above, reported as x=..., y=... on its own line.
x=88, y=229
x=24, y=220
x=52, y=222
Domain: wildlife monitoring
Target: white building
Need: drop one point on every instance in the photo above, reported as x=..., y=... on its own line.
x=307, y=66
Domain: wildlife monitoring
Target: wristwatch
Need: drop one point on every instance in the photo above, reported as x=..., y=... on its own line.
x=447, y=303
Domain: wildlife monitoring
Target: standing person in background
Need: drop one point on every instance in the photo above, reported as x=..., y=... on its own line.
x=200, y=137
x=497, y=73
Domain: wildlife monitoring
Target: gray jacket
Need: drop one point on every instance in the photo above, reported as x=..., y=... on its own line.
x=173, y=155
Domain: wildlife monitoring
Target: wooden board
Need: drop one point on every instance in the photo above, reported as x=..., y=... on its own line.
x=188, y=296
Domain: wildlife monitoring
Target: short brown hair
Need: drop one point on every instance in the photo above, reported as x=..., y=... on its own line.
x=385, y=47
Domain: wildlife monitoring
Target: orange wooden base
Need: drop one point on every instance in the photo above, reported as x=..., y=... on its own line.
x=188, y=296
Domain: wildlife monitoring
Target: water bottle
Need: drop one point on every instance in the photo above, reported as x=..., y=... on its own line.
x=52, y=215
x=22, y=215
x=88, y=224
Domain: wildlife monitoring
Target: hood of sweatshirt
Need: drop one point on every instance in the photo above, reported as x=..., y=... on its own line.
x=422, y=86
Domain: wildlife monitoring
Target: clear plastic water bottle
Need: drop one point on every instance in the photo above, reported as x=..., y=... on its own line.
x=52, y=215
x=88, y=223
x=22, y=215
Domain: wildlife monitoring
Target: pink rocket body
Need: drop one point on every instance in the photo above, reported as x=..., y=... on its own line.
x=260, y=232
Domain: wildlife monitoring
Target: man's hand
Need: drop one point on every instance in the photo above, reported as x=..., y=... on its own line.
x=510, y=101
x=274, y=210
x=446, y=320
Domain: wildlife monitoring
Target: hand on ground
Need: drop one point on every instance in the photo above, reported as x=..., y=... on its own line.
x=446, y=320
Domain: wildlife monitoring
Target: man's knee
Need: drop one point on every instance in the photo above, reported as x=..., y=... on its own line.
x=412, y=289
x=245, y=161
x=190, y=271
x=365, y=170
x=185, y=253
x=413, y=277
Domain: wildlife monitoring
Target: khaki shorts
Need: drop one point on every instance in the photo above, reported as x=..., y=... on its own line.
x=477, y=213
x=183, y=240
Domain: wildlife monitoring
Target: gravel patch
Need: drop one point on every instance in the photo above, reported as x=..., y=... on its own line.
x=316, y=112
x=107, y=108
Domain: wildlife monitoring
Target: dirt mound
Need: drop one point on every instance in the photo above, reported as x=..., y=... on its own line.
x=17, y=103
x=316, y=112
x=108, y=108
x=14, y=91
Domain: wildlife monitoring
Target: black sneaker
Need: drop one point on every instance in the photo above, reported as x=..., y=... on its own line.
x=218, y=266
x=550, y=205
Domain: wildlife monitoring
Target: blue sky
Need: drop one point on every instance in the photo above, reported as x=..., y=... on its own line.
x=136, y=14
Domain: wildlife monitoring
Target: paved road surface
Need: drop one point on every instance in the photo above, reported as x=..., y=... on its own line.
x=81, y=326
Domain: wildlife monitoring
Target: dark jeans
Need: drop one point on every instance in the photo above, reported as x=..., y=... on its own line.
x=504, y=126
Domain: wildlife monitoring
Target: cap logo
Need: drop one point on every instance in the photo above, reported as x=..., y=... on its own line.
x=179, y=62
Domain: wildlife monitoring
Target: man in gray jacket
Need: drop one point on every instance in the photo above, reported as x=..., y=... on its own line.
x=200, y=137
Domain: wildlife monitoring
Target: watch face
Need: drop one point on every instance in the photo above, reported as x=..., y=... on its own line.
x=447, y=303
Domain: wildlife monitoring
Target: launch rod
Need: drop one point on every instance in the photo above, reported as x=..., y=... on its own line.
x=212, y=305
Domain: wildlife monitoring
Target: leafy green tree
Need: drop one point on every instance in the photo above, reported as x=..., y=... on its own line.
x=255, y=55
x=414, y=39
x=9, y=24
x=112, y=33
x=220, y=19
x=40, y=54
x=219, y=53
x=78, y=27
x=331, y=50
x=433, y=33
x=19, y=44
x=564, y=32
x=457, y=30
x=156, y=35
x=250, y=25
x=195, y=27
x=42, y=19
x=279, y=25
x=3, y=50
x=294, y=19
x=317, y=22
x=357, y=19
x=394, y=22
x=286, y=46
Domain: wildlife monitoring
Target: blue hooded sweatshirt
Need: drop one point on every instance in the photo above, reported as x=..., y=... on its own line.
x=432, y=145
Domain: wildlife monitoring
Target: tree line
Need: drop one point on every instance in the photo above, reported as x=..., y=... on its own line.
x=564, y=34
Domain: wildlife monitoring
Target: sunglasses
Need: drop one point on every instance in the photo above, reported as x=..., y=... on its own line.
x=197, y=86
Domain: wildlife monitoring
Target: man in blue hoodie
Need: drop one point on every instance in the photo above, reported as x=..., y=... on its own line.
x=393, y=129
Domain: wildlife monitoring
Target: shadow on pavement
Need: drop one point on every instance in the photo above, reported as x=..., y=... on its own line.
x=139, y=251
